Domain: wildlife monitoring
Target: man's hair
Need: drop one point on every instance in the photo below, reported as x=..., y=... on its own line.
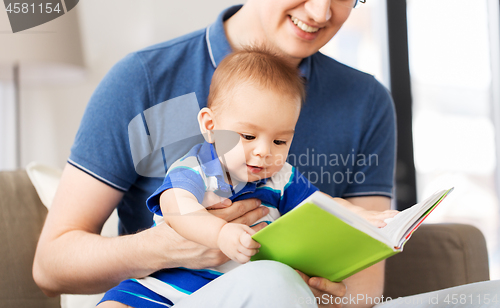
x=257, y=66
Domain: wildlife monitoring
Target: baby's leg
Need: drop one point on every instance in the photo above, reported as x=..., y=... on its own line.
x=112, y=304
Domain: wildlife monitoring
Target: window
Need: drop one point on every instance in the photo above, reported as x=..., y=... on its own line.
x=453, y=131
x=362, y=41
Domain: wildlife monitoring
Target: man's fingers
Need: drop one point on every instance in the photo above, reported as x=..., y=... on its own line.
x=338, y=289
x=389, y=213
x=303, y=276
x=239, y=209
x=316, y=292
x=259, y=226
x=221, y=204
x=212, y=201
x=251, y=217
x=249, y=230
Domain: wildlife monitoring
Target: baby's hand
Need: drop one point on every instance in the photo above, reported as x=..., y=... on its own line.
x=376, y=218
x=236, y=242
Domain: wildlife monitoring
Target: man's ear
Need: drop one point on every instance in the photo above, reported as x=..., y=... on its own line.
x=206, y=122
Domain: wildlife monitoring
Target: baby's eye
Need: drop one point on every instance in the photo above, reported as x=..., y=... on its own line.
x=279, y=142
x=247, y=137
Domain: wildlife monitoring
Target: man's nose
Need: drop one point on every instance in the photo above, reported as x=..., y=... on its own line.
x=319, y=10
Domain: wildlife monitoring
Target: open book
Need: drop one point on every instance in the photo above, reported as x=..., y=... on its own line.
x=324, y=239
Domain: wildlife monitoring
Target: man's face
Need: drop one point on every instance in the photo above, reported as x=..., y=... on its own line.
x=299, y=28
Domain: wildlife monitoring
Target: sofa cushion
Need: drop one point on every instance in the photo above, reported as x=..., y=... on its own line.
x=437, y=256
x=21, y=219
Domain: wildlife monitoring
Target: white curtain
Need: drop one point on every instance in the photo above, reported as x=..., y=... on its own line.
x=7, y=127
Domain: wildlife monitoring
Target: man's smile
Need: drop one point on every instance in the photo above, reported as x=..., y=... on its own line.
x=303, y=26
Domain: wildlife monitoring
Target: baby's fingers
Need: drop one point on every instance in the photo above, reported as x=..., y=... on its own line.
x=247, y=252
x=246, y=241
x=241, y=258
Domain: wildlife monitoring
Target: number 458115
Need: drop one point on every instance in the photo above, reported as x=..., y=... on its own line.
x=471, y=299
x=26, y=8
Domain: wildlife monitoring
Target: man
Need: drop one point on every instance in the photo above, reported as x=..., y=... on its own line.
x=347, y=114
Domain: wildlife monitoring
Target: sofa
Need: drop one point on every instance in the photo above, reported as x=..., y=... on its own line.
x=438, y=255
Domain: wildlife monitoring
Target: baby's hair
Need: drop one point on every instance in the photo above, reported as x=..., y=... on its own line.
x=257, y=66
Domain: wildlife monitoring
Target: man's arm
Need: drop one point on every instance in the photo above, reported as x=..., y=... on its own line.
x=369, y=282
x=72, y=257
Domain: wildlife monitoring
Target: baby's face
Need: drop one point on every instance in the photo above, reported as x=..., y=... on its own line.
x=265, y=121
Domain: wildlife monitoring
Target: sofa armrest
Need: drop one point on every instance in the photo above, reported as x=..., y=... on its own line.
x=22, y=215
x=437, y=256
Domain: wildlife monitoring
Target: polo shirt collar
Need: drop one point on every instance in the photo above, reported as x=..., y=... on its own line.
x=211, y=166
x=219, y=47
x=209, y=161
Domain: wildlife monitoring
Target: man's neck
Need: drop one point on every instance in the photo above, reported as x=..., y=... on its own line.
x=238, y=32
x=242, y=29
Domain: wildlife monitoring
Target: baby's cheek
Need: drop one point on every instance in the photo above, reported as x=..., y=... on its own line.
x=280, y=158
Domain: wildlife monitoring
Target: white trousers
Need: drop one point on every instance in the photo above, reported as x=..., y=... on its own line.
x=273, y=284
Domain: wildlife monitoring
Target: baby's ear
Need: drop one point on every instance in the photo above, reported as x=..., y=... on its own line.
x=206, y=122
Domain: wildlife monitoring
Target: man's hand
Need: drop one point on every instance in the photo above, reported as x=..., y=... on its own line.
x=245, y=212
x=189, y=254
x=372, y=214
x=325, y=290
x=212, y=201
x=376, y=218
x=197, y=256
x=236, y=242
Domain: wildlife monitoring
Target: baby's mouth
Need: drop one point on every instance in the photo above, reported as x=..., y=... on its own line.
x=254, y=169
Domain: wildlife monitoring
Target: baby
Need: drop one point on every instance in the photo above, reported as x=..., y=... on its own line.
x=253, y=106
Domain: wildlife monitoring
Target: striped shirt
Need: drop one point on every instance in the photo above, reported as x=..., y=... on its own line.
x=198, y=172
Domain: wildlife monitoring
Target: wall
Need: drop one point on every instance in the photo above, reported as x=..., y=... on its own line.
x=110, y=30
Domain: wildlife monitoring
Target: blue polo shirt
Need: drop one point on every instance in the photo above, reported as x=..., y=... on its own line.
x=146, y=107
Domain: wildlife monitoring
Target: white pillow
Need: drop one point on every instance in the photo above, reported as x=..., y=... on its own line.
x=45, y=179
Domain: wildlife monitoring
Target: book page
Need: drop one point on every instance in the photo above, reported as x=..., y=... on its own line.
x=349, y=217
x=399, y=225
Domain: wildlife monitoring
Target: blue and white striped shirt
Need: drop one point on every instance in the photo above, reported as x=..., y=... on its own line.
x=200, y=171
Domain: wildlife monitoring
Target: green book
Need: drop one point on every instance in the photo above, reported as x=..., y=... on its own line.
x=321, y=238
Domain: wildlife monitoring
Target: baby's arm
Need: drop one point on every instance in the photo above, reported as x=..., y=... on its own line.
x=376, y=218
x=190, y=219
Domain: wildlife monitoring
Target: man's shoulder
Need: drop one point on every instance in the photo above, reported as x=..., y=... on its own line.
x=164, y=55
x=172, y=51
x=179, y=43
x=329, y=66
x=347, y=81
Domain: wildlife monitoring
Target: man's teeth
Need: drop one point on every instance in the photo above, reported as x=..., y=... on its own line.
x=303, y=26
